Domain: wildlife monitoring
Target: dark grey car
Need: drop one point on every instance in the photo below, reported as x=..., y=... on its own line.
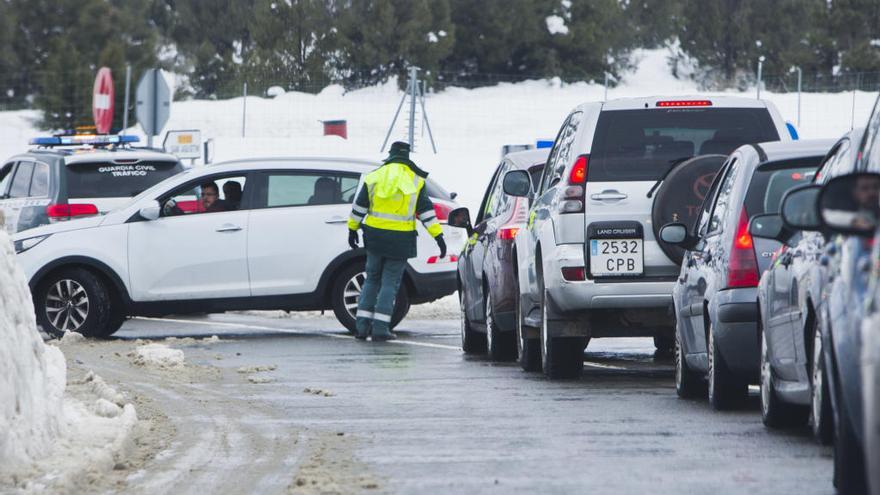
x=793, y=377
x=715, y=297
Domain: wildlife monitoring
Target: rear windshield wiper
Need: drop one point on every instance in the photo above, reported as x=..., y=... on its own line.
x=672, y=164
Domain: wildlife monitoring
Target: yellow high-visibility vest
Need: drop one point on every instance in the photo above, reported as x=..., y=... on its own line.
x=393, y=190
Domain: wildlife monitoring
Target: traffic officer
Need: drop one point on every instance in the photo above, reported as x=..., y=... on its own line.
x=386, y=209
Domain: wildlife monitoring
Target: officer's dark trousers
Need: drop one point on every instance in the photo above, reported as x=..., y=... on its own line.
x=377, y=299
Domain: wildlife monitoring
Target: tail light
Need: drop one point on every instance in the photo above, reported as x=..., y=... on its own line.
x=507, y=233
x=573, y=195
x=61, y=212
x=574, y=273
x=742, y=266
x=433, y=260
x=442, y=211
x=684, y=103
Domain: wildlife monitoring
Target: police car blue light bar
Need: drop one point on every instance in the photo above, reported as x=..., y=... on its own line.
x=83, y=139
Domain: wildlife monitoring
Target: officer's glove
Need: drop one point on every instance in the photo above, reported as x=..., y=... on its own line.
x=442, y=244
x=353, y=239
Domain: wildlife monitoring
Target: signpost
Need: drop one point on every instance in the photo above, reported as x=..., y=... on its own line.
x=102, y=101
x=152, y=103
x=184, y=144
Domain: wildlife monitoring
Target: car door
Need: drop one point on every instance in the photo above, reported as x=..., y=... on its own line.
x=684, y=294
x=703, y=277
x=475, y=250
x=192, y=251
x=297, y=227
x=540, y=224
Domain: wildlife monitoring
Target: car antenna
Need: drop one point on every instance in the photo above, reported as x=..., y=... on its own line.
x=673, y=163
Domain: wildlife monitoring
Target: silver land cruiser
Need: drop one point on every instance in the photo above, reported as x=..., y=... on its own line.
x=589, y=264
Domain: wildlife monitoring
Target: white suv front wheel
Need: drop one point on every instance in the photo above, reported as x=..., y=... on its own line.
x=74, y=300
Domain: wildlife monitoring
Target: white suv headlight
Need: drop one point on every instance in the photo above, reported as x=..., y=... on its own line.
x=23, y=245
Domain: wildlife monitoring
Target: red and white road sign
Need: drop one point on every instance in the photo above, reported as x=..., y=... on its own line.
x=102, y=101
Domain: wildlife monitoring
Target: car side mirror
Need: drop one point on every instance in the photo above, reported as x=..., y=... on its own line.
x=461, y=218
x=850, y=204
x=798, y=209
x=677, y=234
x=150, y=212
x=517, y=183
x=769, y=226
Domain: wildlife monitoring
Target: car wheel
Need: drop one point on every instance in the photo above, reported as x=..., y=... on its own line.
x=73, y=300
x=774, y=412
x=561, y=357
x=346, y=293
x=849, y=460
x=821, y=421
x=725, y=390
x=472, y=342
x=500, y=346
x=688, y=384
x=528, y=349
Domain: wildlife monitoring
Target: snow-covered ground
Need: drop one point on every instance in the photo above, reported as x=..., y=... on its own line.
x=469, y=125
x=50, y=440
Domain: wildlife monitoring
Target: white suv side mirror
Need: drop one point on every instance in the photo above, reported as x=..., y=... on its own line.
x=151, y=211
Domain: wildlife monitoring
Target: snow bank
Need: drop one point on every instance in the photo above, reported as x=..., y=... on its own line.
x=157, y=355
x=32, y=375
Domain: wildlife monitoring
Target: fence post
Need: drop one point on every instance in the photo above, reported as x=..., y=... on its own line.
x=243, y=108
x=760, y=74
x=606, y=87
x=852, y=123
x=800, y=78
x=413, y=91
x=127, y=92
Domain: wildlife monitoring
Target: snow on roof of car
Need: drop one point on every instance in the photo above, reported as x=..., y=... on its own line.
x=686, y=101
x=528, y=158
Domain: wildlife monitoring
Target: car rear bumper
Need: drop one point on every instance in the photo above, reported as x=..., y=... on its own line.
x=589, y=294
x=734, y=314
x=427, y=287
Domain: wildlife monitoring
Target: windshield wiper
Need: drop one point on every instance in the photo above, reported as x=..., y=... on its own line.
x=672, y=164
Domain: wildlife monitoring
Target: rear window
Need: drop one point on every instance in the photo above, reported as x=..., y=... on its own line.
x=772, y=180
x=639, y=145
x=111, y=180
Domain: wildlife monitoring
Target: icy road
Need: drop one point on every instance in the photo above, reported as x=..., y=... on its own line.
x=297, y=406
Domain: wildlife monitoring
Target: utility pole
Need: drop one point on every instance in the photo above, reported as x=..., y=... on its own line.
x=127, y=93
x=415, y=95
x=760, y=74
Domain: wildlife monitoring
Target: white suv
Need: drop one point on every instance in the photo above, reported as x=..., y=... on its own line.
x=589, y=264
x=275, y=238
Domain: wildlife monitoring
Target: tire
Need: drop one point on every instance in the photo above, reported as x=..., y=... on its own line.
x=821, y=415
x=528, y=349
x=688, y=384
x=664, y=344
x=472, y=341
x=775, y=413
x=725, y=390
x=345, y=306
x=849, y=459
x=74, y=299
x=561, y=357
x=500, y=346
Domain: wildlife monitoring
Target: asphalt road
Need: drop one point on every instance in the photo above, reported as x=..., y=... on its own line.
x=417, y=416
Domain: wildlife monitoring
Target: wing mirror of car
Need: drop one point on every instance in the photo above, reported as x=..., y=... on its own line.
x=517, y=183
x=769, y=226
x=151, y=211
x=677, y=234
x=461, y=218
x=798, y=209
x=850, y=204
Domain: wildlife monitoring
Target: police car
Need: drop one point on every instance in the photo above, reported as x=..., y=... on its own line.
x=66, y=177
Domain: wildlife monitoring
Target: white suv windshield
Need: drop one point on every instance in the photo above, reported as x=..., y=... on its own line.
x=640, y=145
